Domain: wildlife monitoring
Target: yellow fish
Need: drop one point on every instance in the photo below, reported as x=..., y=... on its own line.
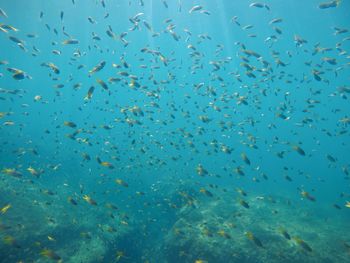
x=50, y=254
x=120, y=255
x=51, y=238
x=5, y=208
x=121, y=182
x=89, y=200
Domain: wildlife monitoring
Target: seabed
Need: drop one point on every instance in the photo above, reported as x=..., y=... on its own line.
x=199, y=228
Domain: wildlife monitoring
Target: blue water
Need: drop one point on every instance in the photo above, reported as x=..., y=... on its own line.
x=152, y=167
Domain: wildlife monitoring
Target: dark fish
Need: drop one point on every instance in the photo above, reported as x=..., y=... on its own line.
x=89, y=93
x=244, y=203
x=302, y=244
x=70, y=42
x=72, y=201
x=16, y=40
x=253, y=238
x=285, y=234
x=298, y=149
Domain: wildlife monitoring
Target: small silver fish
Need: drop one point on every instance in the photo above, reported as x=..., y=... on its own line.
x=3, y=13
x=195, y=8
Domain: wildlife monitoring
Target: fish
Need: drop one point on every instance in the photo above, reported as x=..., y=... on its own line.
x=330, y=4
x=91, y=20
x=285, y=234
x=275, y=21
x=302, y=244
x=11, y=241
x=32, y=35
x=71, y=41
x=89, y=200
x=50, y=254
x=3, y=13
x=239, y=171
x=278, y=31
x=121, y=182
x=206, y=192
x=245, y=158
x=339, y=31
x=331, y=158
x=86, y=156
x=110, y=33
x=259, y=5
x=241, y=191
x=336, y=206
x=224, y=234
x=4, y=209
x=147, y=25
x=5, y=27
x=307, y=196
x=254, y=239
x=105, y=164
x=8, y=123
x=251, y=53
x=33, y=171
x=56, y=52
x=206, y=12
x=201, y=171
x=244, y=204
x=316, y=75
x=19, y=75
x=298, y=149
x=195, y=8
x=50, y=238
x=72, y=201
x=52, y=66
x=97, y=68
x=89, y=93
x=69, y=124
x=16, y=40
x=111, y=206
x=102, y=83
x=120, y=255
x=299, y=41
x=331, y=61
x=11, y=171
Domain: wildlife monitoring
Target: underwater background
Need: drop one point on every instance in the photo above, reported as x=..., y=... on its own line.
x=174, y=131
